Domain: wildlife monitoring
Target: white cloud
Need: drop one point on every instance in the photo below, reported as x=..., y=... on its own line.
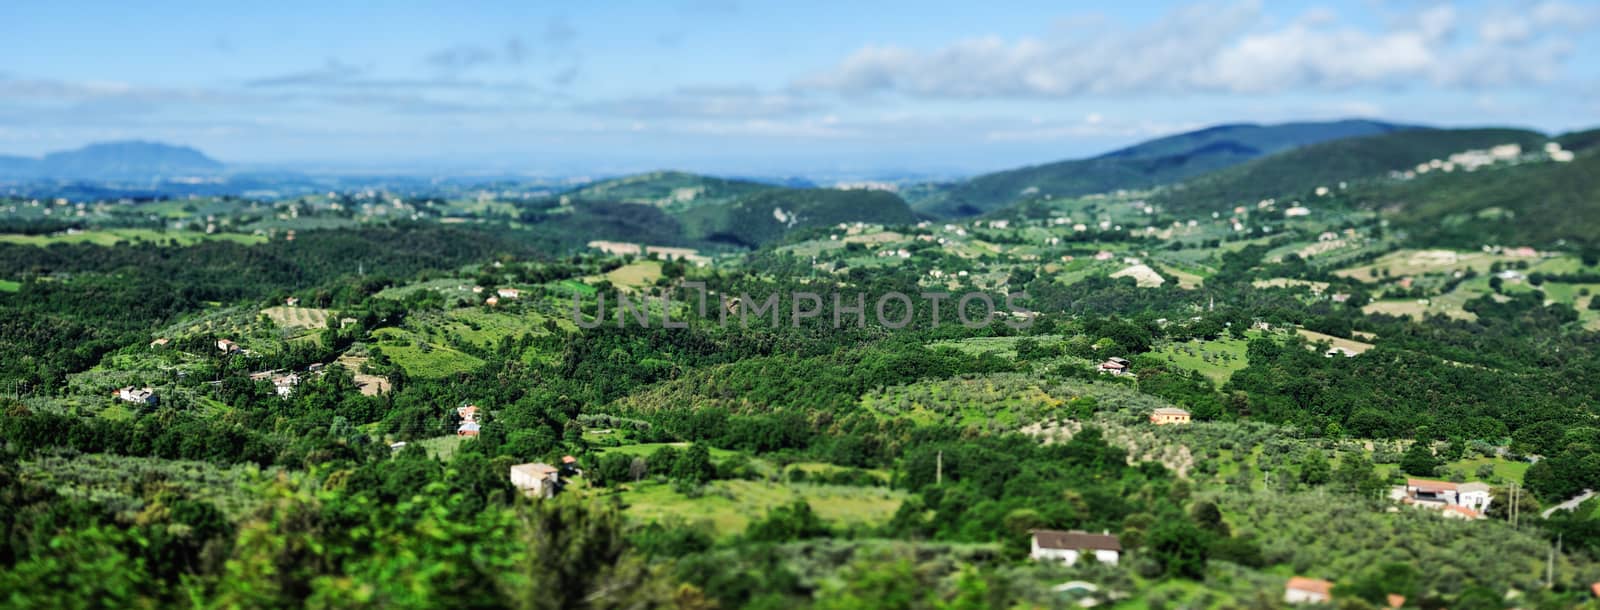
x=706, y=102
x=1224, y=49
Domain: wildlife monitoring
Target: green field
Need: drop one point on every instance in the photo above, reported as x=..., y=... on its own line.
x=639, y=274
x=421, y=358
x=10, y=286
x=298, y=318
x=1001, y=346
x=108, y=237
x=730, y=506
x=646, y=449
x=1004, y=400
x=1504, y=470
x=1217, y=360
x=441, y=447
x=1401, y=263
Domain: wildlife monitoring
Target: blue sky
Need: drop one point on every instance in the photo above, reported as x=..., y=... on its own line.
x=737, y=86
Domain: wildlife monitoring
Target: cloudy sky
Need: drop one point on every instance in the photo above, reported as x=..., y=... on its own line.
x=738, y=86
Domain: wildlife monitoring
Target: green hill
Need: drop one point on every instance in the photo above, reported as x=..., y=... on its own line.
x=1579, y=140
x=669, y=190
x=1302, y=170
x=767, y=215
x=1157, y=162
x=1538, y=204
x=683, y=209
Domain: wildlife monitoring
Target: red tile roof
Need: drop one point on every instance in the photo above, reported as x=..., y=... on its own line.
x=1311, y=585
x=1430, y=485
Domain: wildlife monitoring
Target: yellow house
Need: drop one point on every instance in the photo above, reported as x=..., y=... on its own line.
x=1169, y=415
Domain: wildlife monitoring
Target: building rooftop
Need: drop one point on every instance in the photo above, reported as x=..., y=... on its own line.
x=1311, y=585
x=1076, y=540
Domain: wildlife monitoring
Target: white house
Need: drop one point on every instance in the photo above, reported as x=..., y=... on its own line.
x=139, y=396
x=284, y=384
x=1115, y=366
x=1474, y=497
x=537, y=479
x=1302, y=590
x=1066, y=547
x=508, y=293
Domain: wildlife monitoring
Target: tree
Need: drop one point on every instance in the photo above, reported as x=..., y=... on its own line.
x=1209, y=517
x=1314, y=468
x=694, y=466
x=1356, y=476
x=1419, y=460
x=787, y=523
x=1376, y=583
x=576, y=557
x=1179, y=548
x=873, y=585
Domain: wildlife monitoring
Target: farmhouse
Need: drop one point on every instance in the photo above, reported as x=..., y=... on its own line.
x=160, y=342
x=228, y=347
x=1115, y=366
x=1066, y=547
x=537, y=479
x=292, y=301
x=1302, y=590
x=492, y=301
x=469, y=421
x=284, y=384
x=508, y=293
x=139, y=396
x=1169, y=415
x=1462, y=500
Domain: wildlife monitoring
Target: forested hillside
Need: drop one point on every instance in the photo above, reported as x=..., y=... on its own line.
x=336, y=399
x=1162, y=161
x=1296, y=173
x=1544, y=204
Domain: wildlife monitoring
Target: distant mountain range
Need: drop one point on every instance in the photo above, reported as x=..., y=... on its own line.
x=1157, y=162
x=113, y=161
x=1198, y=171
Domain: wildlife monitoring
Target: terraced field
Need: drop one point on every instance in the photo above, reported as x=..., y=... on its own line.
x=298, y=318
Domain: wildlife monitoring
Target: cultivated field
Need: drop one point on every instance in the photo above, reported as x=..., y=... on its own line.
x=1353, y=347
x=298, y=318
x=109, y=237
x=731, y=505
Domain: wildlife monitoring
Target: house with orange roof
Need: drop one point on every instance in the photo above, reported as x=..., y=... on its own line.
x=1302, y=590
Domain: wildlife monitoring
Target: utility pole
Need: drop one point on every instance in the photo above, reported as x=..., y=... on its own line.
x=1513, y=504
x=938, y=468
x=1550, y=568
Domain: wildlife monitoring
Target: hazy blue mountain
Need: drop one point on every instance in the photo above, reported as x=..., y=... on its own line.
x=1157, y=162
x=18, y=167
x=113, y=161
x=128, y=160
